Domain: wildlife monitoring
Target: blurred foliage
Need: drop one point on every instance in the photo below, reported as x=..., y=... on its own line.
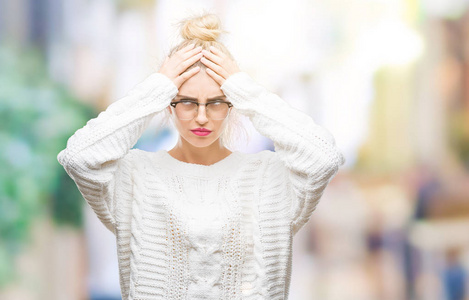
x=458, y=133
x=37, y=117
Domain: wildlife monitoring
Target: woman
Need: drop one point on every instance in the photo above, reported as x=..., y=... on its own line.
x=200, y=221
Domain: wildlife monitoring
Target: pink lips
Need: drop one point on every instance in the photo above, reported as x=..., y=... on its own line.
x=201, y=133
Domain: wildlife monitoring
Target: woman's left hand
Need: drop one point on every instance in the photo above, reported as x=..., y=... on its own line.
x=219, y=65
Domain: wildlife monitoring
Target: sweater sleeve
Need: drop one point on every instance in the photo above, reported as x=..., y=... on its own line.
x=306, y=157
x=94, y=155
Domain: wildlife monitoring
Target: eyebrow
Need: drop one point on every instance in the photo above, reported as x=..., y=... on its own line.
x=192, y=98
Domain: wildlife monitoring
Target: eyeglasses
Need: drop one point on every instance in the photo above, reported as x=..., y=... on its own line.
x=215, y=110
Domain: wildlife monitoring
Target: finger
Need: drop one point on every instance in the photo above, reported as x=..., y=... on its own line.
x=217, y=51
x=180, y=54
x=218, y=79
x=186, y=75
x=219, y=70
x=188, y=62
x=183, y=50
x=192, y=52
x=187, y=48
x=213, y=57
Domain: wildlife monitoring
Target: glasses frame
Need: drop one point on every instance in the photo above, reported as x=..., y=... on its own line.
x=173, y=104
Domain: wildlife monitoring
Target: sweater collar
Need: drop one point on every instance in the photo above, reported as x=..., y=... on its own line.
x=222, y=167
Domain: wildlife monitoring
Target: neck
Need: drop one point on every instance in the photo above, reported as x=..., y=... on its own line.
x=209, y=155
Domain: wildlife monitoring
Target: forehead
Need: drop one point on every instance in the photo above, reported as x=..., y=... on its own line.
x=200, y=86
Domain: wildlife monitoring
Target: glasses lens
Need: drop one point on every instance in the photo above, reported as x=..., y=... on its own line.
x=217, y=110
x=187, y=110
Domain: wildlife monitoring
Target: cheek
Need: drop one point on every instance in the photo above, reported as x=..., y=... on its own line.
x=224, y=123
x=180, y=125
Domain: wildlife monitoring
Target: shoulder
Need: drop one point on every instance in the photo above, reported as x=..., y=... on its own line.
x=135, y=154
x=136, y=158
x=268, y=157
x=272, y=165
x=263, y=156
x=139, y=163
x=264, y=161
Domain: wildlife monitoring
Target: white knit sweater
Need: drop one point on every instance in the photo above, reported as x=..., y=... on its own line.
x=190, y=231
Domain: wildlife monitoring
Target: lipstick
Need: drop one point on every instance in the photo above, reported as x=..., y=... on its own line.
x=201, y=131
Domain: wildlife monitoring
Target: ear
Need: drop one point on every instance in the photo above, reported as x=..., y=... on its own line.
x=169, y=108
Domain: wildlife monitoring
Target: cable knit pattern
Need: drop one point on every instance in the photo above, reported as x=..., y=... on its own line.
x=189, y=231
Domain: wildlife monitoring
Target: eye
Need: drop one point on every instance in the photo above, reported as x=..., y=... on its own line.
x=217, y=102
x=187, y=101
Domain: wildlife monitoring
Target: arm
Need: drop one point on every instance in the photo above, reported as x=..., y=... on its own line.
x=304, y=151
x=94, y=156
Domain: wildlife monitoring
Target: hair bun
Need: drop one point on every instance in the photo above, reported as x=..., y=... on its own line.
x=205, y=27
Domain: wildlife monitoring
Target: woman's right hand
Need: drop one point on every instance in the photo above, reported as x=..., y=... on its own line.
x=175, y=67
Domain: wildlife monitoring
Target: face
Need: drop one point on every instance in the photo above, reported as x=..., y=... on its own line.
x=202, y=87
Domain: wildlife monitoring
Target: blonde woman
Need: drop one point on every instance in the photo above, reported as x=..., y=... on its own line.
x=202, y=221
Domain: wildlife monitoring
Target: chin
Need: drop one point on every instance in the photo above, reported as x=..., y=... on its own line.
x=200, y=142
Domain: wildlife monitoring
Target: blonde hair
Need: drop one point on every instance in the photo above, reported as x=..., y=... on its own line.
x=204, y=29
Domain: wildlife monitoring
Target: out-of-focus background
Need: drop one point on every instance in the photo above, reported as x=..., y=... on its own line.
x=388, y=78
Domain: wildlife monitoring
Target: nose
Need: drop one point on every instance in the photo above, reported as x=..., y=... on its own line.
x=202, y=114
